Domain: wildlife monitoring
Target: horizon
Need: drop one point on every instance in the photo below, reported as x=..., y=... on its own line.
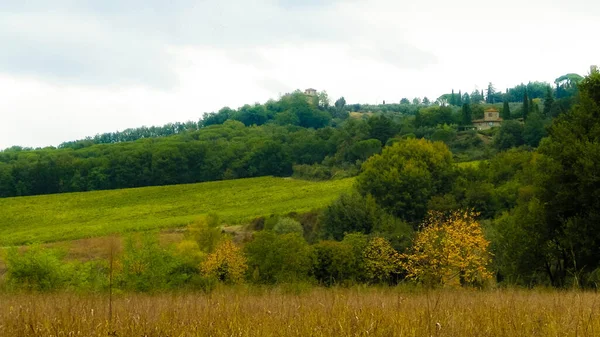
x=96, y=67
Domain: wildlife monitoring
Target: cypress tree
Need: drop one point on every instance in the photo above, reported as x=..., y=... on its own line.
x=525, y=105
x=459, y=100
x=452, y=98
x=466, y=114
x=548, y=102
x=505, y=110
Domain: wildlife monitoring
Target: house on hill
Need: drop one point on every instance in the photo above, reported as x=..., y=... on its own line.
x=310, y=92
x=491, y=119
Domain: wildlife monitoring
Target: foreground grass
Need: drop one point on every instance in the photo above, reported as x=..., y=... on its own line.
x=71, y=216
x=319, y=312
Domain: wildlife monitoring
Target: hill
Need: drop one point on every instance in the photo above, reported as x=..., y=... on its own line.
x=69, y=216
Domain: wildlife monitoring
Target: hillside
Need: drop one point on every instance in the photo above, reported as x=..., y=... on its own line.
x=71, y=216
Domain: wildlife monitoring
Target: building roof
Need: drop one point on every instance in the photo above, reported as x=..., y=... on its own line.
x=499, y=119
x=492, y=110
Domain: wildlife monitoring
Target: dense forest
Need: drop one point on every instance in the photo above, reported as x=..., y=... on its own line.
x=298, y=135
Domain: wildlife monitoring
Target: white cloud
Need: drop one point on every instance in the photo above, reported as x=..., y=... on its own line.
x=70, y=69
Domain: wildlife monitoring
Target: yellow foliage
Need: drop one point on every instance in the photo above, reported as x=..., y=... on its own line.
x=227, y=263
x=449, y=250
x=382, y=262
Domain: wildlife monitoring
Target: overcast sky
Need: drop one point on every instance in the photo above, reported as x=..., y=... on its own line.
x=74, y=68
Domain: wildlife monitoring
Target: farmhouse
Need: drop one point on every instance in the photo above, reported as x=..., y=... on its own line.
x=491, y=119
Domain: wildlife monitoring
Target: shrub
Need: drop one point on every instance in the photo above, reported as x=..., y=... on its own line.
x=37, y=269
x=382, y=262
x=226, y=263
x=276, y=258
x=449, y=250
x=288, y=225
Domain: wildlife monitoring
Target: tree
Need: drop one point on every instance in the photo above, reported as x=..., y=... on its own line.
x=449, y=250
x=354, y=213
x=382, y=262
x=416, y=101
x=534, y=130
x=526, y=107
x=505, y=114
x=510, y=135
x=548, y=102
x=568, y=187
x=404, y=101
x=466, y=114
x=340, y=103
x=226, y=263
x=323, y=99
x=459, y=99
x=491, y=91
x=405, y=175
x=276, y=258
x=452, y=98
x=426, y=101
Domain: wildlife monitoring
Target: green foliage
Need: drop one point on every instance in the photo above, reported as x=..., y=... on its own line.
x=276, y=258
x=510, y=135
x=405, y=175
x=335, y=263
x=505, y=113
x=466, y=114
x=38, y=269
x=353, y=212
x=145, y=266
x=72, y=216
x=382, y=262
x=287, y=226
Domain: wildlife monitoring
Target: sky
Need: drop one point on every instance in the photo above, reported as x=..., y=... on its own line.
x=75, y=68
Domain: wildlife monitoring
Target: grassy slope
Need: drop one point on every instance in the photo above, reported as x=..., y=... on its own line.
x=78, y=215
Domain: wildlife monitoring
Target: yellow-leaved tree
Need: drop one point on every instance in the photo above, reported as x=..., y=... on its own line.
x=449, y=250
x=227, y=263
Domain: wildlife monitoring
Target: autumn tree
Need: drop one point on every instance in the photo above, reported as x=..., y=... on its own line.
x=449, y=250
x=226, y=263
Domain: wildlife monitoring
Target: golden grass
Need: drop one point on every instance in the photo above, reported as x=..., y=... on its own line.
x=318, y=312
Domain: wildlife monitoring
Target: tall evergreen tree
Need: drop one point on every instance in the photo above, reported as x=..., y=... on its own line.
x=459, y=98
x=525, y=105
x=548, y=102
x=452, y=98
x=505, y=110
x=490, y=93
x=466, y=114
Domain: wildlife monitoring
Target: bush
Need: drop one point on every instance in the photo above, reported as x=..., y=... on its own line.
x=288, y=225
x=145, y=266
x=276, y=258
x=37, y=269
x=226, y=264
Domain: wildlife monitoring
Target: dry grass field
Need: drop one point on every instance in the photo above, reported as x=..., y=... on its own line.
x=316, y=312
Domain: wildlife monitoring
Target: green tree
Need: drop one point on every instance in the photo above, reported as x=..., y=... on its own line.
x=534, y=130
x=466, y=114
x=452, y=98
x=354, y=213
x=405, y=175
x=548, y=102
x=568, y=187
x=505, y=114
x=491, y=91
x=276, y=258
x=340, y=103
x=510, y=135
x=459, y=99
x=526, y=106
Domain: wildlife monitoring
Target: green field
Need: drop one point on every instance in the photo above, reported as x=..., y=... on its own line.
x=70, y=216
